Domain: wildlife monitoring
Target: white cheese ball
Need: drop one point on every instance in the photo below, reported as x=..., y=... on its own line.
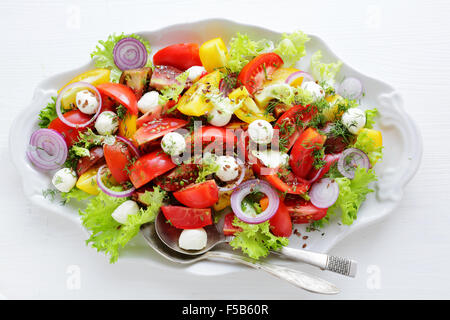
x=228, y=168
x=122, y=212
x=260, y=131
x=316, y=90
x=64, y=179
x=173, y=143
x=193, y=239
x=87, y=102
x=195, y=72
x=148, y=101
x=354, y=119
x=272, y=158
x=106, y=123
x=219, y=117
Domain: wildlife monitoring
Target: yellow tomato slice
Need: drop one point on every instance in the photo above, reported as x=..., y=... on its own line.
x=193, y=102
x=127, y=126
x=88, y=182
x=213, y=54
x=280, y=76
x=374, y=135
x=249, y=111
x=94, y=77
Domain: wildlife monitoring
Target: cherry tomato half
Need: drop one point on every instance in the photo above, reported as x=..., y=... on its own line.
x=181, y=56
x=187, y=218
x=200, y=195
x=71, y=135
x=150, y=166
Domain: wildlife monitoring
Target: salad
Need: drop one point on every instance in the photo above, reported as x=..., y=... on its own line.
x=206, y=133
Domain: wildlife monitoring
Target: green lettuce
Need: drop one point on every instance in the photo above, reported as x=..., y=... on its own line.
x=324, y=71
x=76, y=194
x=256, y=240
x=371, y=114
x=352, y=194
x=367, y=144
x=292, y=47
x=107, y=235
x=48, y=114
x=173, y=92
x=243, y=49
x=104, y=58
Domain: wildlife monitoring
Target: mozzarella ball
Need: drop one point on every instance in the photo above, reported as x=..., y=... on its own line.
x=148, y=102
x=316, y=90
x=122, y=212
x=228, y=168
x=173, y=143
x=272, y=158
x=193, y=239
x=195, y=72
x=354, y=119
x=64, y=179
x=260, y=131
x=219, y=117
x=106, y=123
x=87, y=102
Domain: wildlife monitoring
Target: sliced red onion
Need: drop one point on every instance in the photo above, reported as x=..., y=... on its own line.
x=239, y=181
x=351, y=88
x=109, y=192
x=130, y=53
x=74, y=85
x=351, y=159
x=324, y=193
x=245, y=189
x=299, y=74
x=47, y=149
x=130, y=145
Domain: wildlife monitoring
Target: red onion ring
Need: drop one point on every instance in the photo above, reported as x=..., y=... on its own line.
x=351, y=88
x=324, y=193
x=72, y=86
x=245, y=189
x=239, y=181
x=130, y=145
x=351, y=159
x=299, y=74
x=109, y=192
x=130, y=53
x=47, y=149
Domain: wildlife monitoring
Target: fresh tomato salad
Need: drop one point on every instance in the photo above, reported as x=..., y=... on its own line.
x=209, y=132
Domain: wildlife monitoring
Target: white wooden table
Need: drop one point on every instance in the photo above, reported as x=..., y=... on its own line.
x=405, y=43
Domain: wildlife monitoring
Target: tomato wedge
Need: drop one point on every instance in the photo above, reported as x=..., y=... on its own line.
x=71, y=135
x=228, y=228
x=95, y=157
x=157, y=128
x=122, y=94
x=258, y=70
x=330, y=159
x=118, y=159
x=187, y=218
x=209, y=134
x=280, y=223
x=200, y=195
x=290, y=125
x=181, y=56
x=150, y=166
x=302, y=211
x=302, y=154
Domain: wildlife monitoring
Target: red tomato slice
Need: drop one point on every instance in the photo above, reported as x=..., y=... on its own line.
x=181, y=56
x=329, y=159
x=258, y=70
x=302, y=153
x=71, y=135
x=280, y=223
x=150, y=166
x=290, y=125
x=187, y=218
x=118, y=159
x=183, y=175
x=200, y=195
x=228, y=228
x=95, y=157
x=122, y=94
x=207, y=135
x=302, y=211
x=157, y=128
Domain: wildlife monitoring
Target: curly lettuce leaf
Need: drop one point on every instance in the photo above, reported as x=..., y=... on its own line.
x=104, y=58
x=352, y=194
x=371, y=114
x=208, y=166
x=324, y=71
x=243, y=49
x=173, y=92
x=256, y=240
x=48, y=114
x=292, y=47
x=75, y=194
x=107, y=235
x=367, y=144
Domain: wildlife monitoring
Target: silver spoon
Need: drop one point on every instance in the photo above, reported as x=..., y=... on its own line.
x=170, y=235
x=295, y=277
